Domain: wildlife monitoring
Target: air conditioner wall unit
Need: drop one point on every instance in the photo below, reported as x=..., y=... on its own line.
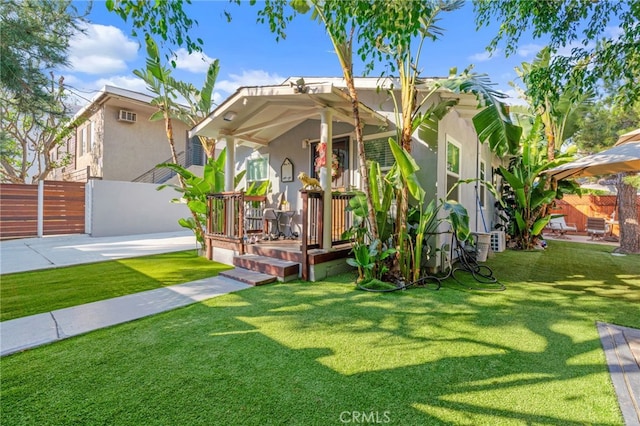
x=127, y=116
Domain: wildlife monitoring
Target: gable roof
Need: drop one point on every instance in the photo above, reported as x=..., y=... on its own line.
x=260, y=114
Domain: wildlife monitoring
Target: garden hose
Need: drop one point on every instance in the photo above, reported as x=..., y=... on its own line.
x=467, y=264
x=480, y=273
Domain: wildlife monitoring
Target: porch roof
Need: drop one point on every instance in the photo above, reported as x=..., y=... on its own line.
x=261, y=114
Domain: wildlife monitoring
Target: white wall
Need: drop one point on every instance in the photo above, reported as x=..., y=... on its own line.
x=129, y=208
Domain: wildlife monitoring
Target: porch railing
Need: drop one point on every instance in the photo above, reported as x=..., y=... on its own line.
x=232, y=215
x=313, y=223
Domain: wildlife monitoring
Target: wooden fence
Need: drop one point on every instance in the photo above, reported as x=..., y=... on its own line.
x=63, y=209
x=577, y=209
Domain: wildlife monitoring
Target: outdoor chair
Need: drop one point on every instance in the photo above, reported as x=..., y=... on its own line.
x=597, y=227
x=558, y=226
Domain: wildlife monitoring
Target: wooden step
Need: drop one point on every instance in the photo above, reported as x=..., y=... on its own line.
x=283, y=270
x=248, y=277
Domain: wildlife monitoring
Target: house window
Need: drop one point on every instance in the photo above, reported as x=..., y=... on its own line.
x=258, y=168
x=92, y=131
x=82, y=136
x=482, y=189
x=453, y=170
x=378, y=149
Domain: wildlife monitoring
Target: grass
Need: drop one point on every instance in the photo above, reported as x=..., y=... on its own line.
x=28, y=293
x=322, y=353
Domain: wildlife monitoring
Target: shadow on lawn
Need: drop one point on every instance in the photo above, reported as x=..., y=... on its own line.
x=307, y=353
x=422, y=358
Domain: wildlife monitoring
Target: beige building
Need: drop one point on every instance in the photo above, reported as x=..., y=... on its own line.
x=112, y=138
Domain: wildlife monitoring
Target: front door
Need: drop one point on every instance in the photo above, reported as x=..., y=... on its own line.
x=339, y=163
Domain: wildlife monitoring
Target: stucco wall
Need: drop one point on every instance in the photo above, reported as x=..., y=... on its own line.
x=128, y=208
x=131, y=149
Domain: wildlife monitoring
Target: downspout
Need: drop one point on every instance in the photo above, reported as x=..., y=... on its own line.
x=477, y=177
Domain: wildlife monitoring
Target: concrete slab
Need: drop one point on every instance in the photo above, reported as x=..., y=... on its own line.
x=28, y=332
x=619, y=344
x=64, y=250
x=23, y=333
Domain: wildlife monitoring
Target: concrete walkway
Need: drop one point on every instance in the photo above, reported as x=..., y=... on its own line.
x=35, y=330
x=50, y=252
x=29, y=254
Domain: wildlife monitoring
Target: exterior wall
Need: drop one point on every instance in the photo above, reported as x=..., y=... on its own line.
x=128, y=208
x=131, y=149
x=452, y=126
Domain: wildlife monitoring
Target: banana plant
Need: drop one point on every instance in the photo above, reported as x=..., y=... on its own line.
x=528, y=183
x=428, y=217
x=194, y=190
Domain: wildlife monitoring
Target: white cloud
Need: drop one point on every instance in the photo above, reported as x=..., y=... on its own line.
x=195, y=62
x=248, y=78
x=125, y=82
x=566, y=50
x=614, y=32
x=529, y=50
x=484, y=56
x=101, y=49
x=513, y=97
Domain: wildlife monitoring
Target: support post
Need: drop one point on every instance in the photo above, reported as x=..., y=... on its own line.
x=40, y=208
x=326, y=136
x=229, y=166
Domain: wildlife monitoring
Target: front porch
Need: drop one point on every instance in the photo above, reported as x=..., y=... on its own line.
x=239, y=233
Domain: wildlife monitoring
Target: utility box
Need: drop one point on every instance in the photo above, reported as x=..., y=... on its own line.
x=498, y=242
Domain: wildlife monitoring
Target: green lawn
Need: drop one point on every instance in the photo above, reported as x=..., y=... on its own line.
x=29, y=293
x=322, y=353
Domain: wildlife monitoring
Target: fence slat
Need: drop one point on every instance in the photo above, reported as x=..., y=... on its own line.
x=63, y=209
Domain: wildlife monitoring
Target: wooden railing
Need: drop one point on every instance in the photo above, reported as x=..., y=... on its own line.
x=231, y=215
x=234, y=216
x=313, y=223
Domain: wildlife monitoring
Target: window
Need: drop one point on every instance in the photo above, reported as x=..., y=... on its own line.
x=257, y=168
x=378, y=149
x=453, y=169
x=482, y=190
x=82, y=136
x=92, y=131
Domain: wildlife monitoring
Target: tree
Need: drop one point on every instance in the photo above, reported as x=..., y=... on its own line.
x=627, y=186
x=601, y=124
x=29, y=136
x=34, y=38
x=559, y=109
x=166, y=88
x=166, y=19
x=600, y=54
x=394, y=33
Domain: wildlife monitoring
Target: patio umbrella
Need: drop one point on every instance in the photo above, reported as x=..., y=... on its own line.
x=623, y=157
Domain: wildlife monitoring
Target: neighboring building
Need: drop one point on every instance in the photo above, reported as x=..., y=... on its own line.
x=112, y=138
x=271, y=131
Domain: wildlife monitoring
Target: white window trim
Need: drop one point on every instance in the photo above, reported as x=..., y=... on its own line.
x=450, y=140
x=257, y=156
x=482, y=187
x=459, y=146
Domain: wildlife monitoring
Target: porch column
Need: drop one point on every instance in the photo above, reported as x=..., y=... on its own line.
x=326, y=136
x=229, y=165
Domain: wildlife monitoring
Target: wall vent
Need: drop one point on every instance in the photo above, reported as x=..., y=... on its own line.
x=128, y=116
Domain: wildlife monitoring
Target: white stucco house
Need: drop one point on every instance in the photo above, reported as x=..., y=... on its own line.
x=271, y=132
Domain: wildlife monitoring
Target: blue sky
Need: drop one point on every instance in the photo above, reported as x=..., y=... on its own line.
x=249, y=54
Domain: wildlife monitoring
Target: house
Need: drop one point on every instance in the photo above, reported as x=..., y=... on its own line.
x=111, y=138
x=271, y=132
